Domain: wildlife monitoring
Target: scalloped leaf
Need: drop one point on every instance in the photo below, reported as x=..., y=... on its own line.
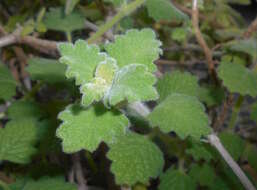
x=233, y=143
x=56, y=19
x=133, y=83
x=48, y=70
x=81, y=59
x=238, y=79
x=183, y=114
x=177, y=82
x=248, y=46
x=83, y=128
x=116, y=2
x=17, y=140
x=164, y=10
x=136, y=46
x=24, y=109
x=204, y=175
x=176, y=180
x=101, y=84
x=7, y=83
x=199, y=151
x=50, y=183
x=135, y=159
x=211, y=95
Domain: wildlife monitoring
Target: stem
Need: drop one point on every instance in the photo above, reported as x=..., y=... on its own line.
x=124, y=11
x=69, y=37
x=235, y=112
x=215, y=141
x=143, y=111
x=202, y=42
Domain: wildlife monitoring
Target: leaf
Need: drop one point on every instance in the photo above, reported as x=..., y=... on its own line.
x=248, y=46
x=81, y=59
x=164, y=10
x=176, y=180
x=24, y=109
x=48, y=70
x=7, y=83
x=241, y=2
x=135, y=159
x=133, y=83
x=17, y=140
x=254, y=112
x=199, y=151
x=116, y=2
x=70, y=5
x=83, y=128
x=50, y=183
x=251, y=155
x=233, y=143
x=177, y=82
x=210, y=95
x=182, y=114
x=204, y=175
x=238, y=79
x=56, y=19
x=140, y=47
x=101, y=84
x=219, y=184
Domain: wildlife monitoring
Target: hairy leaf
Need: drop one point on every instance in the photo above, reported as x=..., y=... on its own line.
x=86, y=128
x=48, y=70
x=81, y=59
x=182, y=114
x=17, y=140
x=233, y=143
x=24, y=109
x=101, y=84
x=177, y=82
x=199, y=151
x=140, y=47
x=133, y=83
x=176, y=180
x=7, y=83
x=210, y=95
x=238, y=79
x=56, y=19
x=248, y=46
x=135, y=159
x=164, y=10
x=50, y=183
x=204, y=174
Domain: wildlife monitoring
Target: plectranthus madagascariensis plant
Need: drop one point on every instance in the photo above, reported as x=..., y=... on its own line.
x=109, y=80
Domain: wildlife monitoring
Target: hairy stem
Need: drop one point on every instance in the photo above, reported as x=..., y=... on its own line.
x=235, y=112
x=215, y=141
x=124, y=11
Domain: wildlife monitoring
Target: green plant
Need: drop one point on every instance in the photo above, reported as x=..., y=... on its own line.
x=100, y=113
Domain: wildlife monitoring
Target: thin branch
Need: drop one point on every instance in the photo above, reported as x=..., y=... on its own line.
x=201, y=41
x=124, y=11
x=144, y=111
x=79, y=172
x=251, y=29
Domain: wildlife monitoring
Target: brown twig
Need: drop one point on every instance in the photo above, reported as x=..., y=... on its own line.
x=201, y=41
x=78, y=171
x=251, y=29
